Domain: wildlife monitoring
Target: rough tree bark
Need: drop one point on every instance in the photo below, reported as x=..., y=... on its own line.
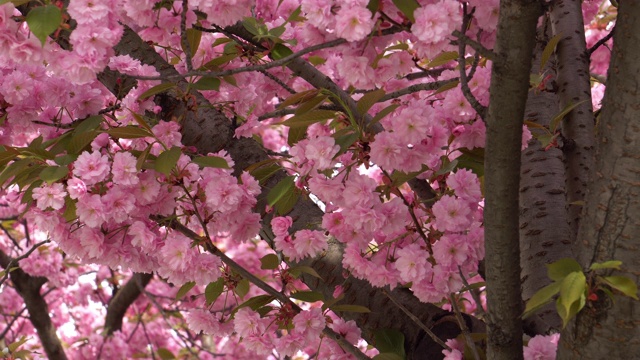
x=509, y=87
x=611, y=222
x=28, y=287
x=544, y=230
x=574, y=87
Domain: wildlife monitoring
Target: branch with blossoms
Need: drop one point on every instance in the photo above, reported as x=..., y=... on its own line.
x=464, y=78
x=284, y=300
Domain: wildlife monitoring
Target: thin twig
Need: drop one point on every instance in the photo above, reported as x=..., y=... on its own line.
x=433, y=336
x=480, y=313
x=463, y=326
x=183, y=35
x=464, y=84
x=601, y=42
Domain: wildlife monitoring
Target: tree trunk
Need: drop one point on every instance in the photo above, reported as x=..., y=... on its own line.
x=544, y=231
x=609, y=230
x=509, y=87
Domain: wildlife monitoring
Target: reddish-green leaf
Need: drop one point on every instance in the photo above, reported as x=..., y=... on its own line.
x=129, y=132
x=368, y=100
x=407, y=7
x=350, y=308
x=52, y=174
x=156, y=90
x=242, y=288
x=211, y=161
x=280, y=51
x=541, y=298
x=184, y=289
x=167, y=160
x=213, y=291
x=308, y=296
x=548, y=50
x=269, y=262
x=207, y=83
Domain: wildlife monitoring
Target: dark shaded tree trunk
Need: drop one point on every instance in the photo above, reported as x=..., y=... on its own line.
x=509, y=86
x=610, y=226
x=544, y=230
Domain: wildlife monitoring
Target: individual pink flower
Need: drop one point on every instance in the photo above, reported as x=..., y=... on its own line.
x=310, y=323
x=247, y=322
x=456, y=352
x=411, y=262
x=90, y=210
x=466, y=185
x=177, y=253
x=281, y=224
x=354, y=23
x=49, y=196
x=386, y=151
x=435, y=22
x=451, y=214
x=308, y=243
x=542, y=347
x=357, y=71
x=124, y=169
x=91, y=167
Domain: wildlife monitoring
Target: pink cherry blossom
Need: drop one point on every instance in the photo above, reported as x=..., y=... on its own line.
x=91, y=167
x=50, y=196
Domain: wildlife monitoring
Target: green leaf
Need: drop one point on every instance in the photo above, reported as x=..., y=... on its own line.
x=472, y=160
x=211, y=161
x=448, y=86
x=269, y=262
x=282, y=189
x=14, y=169
x=296, y=134
x=15, y=345
x=242, y=288
x=297, y=270
x=89, y=124
x=286, y=204
x=254, y=303
x=69, y=214
x=308, y=118
x=561, y=268
x=316, y=60
x=389, y=341
x=6, y=156
x=622, y=284
x=443, y=58
x=308, y=105
x=167, y=160
x=193, y=38
x=308, y=296
x=407, y=7
x=156, y=90
x=350, y=308
x=142, y=158
x=572, y=288
x=368, y=100
x=345, y=141
x=165, y=354
x=79, y=142
x=140, y=120
x=207, y=83
x=548, y=50
x=213, y=291
x=553, y=125
x=567, y=315
x=541, y=298
x=52, y=174
x=612, y=264
x=382, y=113
x=184, y=289
x=263, y=173
x=43, y=21
x=129, y=132
x=280, y=51
x=373, y=6
x=64, y=160
x=298, y=98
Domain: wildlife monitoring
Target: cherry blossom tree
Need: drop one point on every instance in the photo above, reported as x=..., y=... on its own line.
x=318, y=179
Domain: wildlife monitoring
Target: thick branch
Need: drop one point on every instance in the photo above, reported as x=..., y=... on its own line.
x=122, y=299
x=509, y=87
x=574, y=87
x=29, y=289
